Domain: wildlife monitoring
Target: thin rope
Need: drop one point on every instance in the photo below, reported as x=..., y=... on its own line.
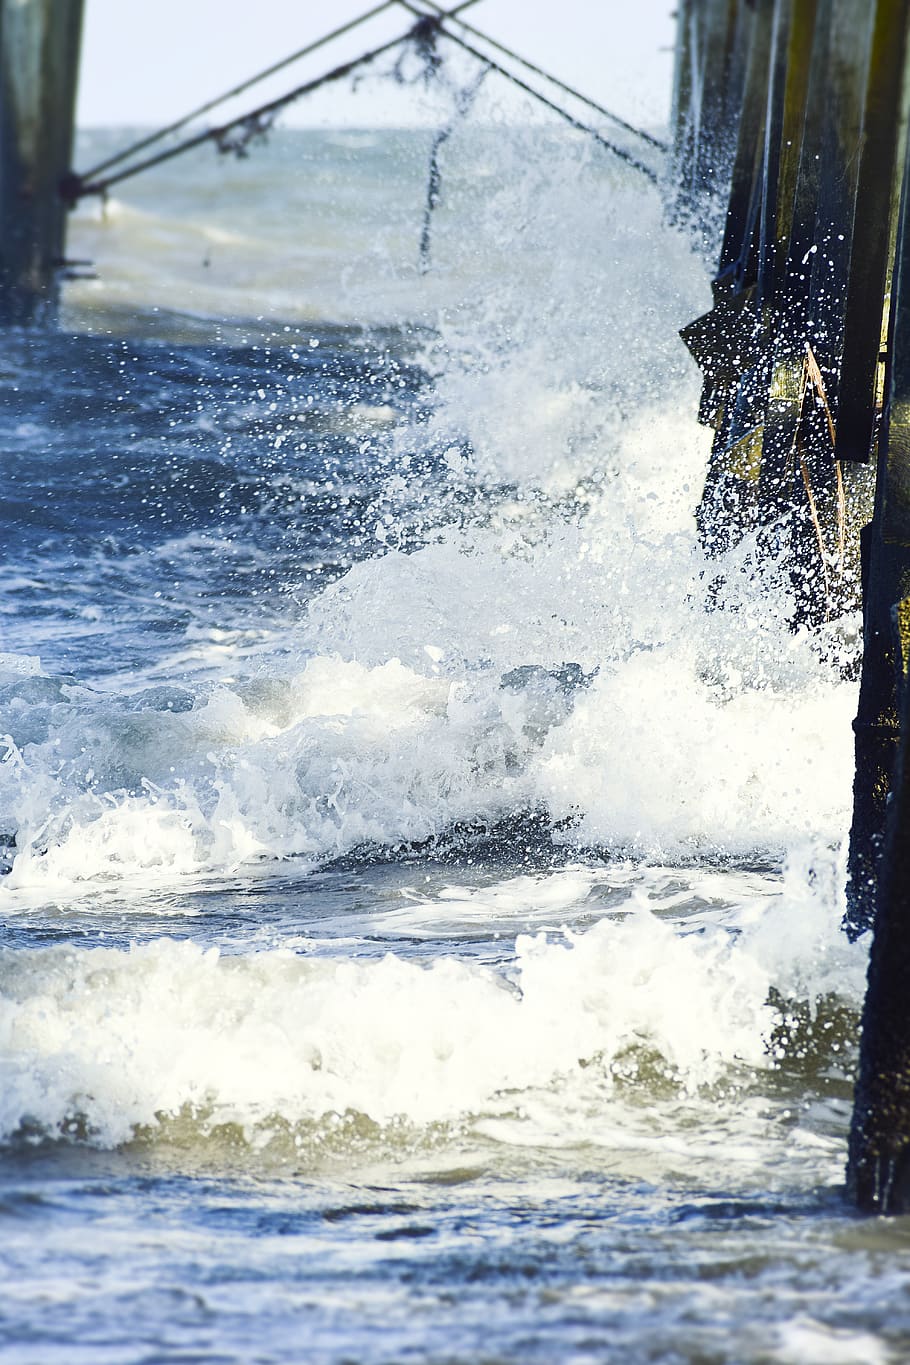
x=604, y=142
x=818, y=381
x=175, y=127
x=257, y=121
x=463, y=101
x=811, y=378
x=814, y=518
x=548, y=76
x=800, y=459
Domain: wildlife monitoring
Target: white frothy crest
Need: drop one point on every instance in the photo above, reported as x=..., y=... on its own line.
x=108, y=1042
x=118, y=1040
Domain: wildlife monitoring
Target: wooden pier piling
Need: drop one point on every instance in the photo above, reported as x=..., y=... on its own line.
x=879, y=1162
x=806, y=357
x=39, y=60
x=707, y=93
x=772, y=346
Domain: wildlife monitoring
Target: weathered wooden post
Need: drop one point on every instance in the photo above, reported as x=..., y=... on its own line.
x=815, y=260
x=878, y=1174
x=878, y=1169
x=886, y=558
x=707, y=95
x=790, y=323
x=753, y=344
x=39, y=60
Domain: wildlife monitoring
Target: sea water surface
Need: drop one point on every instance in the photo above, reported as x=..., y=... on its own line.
x=423, y=867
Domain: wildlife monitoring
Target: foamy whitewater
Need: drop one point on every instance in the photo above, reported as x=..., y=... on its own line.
x=424, y=867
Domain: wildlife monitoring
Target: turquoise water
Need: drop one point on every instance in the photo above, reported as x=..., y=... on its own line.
x=421, y=918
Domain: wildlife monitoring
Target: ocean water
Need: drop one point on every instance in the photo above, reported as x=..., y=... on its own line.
x=423, y=868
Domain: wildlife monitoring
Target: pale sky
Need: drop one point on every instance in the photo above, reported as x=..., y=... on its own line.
x=145, y=62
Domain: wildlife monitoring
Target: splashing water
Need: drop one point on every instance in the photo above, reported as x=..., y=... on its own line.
x=400, y=802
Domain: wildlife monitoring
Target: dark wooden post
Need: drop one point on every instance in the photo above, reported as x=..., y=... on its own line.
x=39, y=60
x=783, y=318
x=797, y=304
x=878, y=1170
x=818, y=227
x=707, y=95
x=887, y=538
x=878, y=1173
x=823, y=204
x=872, y=240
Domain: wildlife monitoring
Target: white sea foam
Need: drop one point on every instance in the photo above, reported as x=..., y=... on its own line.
x=568, y=649
x=19, y=666
x=684, y=1028
x=119, y=1040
